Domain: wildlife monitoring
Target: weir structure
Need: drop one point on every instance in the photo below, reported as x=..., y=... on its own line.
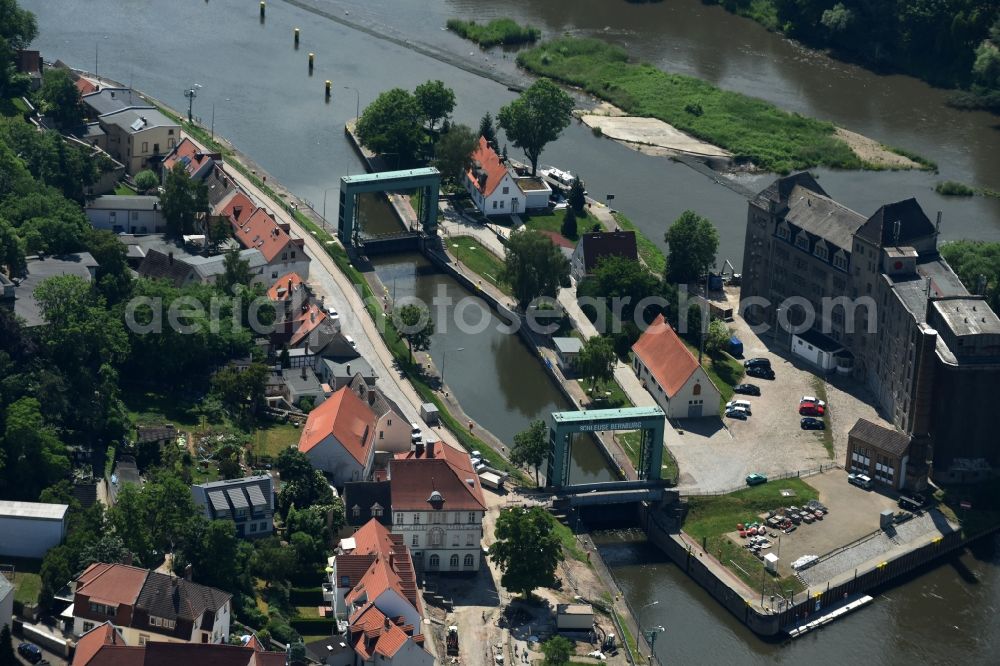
x=426, y=180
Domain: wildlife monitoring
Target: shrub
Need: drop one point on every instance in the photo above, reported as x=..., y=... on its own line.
x=498, y=31
x=951, y=188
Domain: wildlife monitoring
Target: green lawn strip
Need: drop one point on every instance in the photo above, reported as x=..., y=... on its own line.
x=710, y=518
x=477, y=258
x=826, y=435
x=650, y=254
x=724, y=371
x=627, y=637
x=629, y=442
x=750, y=128
x=148, y=408
x=600, y=400
x=553, y=220
x=498, y=31
x=274, y=438
x=568, y=540
x=27, y=582
x=121, y=189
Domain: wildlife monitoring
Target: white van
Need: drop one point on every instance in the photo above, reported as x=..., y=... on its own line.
x=744, y=404
x=860, y=480
x=350, y=341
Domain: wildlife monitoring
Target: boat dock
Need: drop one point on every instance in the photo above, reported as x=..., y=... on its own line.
x=829, y=616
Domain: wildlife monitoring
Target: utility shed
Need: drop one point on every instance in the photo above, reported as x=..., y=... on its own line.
x=39, y=528
x=574, y=617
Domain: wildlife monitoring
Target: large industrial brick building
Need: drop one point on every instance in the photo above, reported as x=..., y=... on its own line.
x=905, y=326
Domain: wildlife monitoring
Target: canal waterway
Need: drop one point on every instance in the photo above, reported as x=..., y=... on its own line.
x=495, y=375
x=257, y=92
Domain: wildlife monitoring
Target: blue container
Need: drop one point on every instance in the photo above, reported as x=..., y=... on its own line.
x=735, y=347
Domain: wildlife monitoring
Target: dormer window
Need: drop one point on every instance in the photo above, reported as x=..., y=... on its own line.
x=802, y=241
x=377, y=510
x=840, y=260
x=356, y=510
x=783, y=231
x=821, y=251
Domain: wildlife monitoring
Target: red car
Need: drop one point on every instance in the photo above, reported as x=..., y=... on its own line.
x=811, y=409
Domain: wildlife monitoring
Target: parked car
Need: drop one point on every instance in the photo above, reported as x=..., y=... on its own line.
x=811, y=409
x=757, y=362
x=860, y=480
x=760, y=371
x=812, y=423
x=812, y=399
x=745, y=404
x=913, y=502
x=740, y=413
x=756, y=479
x=31, y=652
x=746, y=389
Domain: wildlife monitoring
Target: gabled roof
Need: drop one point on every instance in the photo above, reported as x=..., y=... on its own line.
x=821, y=216
x=85, y=86
x=490, y=165
x=886, y=439
x=388, y=566
x=305, y=323
x=364, y=495
x=93, y=641
x=913, y=224
x=137, y=120
x=111, y=584
x=109, y=100
x=779, y=191
x=237, y=206
x=440, y=469
x=159, y=266
x=172, y=598
x=284, y=287
x=374, y=633
x=665, y=355
x=191, y=155
x=349, y=420
x=261, y=231
x=33, y=510
x=600, y=245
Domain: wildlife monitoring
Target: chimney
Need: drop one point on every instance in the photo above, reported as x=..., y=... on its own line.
x=418, y=449
x=188, y=572
x=937, y=227
x=430, y=449
x=236, y=212
x=303, y=372
x=170, y=257
x=348, y=369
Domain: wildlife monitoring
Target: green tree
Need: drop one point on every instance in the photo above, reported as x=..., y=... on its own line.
x=453, y=152
x=11, y=252
x=213, y=551
x=717, y=338
x=217, y=230
x=392, y=124
x=596, y=360
x=108, y=548
x=533, y=266
x=691, y=245
x=577, y=199
x=536, y=118
x=531, y=446
x=114, y=277
x=415, y=327
x=271, y=561
x=242, y=390
x=977, y=263
x=59, y=98
x=145, y=181
x=184, y=202
x=624, y=279
x=568, y=227
x=557, y=651
x=436, y=101
x=526, y=549
x=33, y=456
x=488, y=130
x=56, y=570
x=18, y=28
x=237, y=272
x=986, y=67
x=310, y=490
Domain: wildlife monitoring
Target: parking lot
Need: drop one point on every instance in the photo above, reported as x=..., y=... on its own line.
x=853, y=513
x=716, y=455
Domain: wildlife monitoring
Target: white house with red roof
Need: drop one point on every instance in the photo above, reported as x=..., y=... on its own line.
x=497, y=191
x=672, y=375
x=339, y=437
x=380, y=639
x=438, y=507
x=256, y=228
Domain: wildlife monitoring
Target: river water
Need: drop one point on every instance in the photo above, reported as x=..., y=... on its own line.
x=257, y=92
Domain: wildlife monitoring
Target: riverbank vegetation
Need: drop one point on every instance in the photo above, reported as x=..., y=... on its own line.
x=951, y=43
x=752, y=129
x=478, y=259
x=710, y=519
x=977, y=264
x=501, y=31
x=951, y=188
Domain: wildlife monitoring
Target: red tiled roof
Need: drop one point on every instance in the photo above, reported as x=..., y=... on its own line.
x=664, y=353
x=111, y=584
x=189, y=149
x=558, y=239
x=374, y=633
x=261, y=231
x=91, y=643
x=284, y=286
x=490, y=163
x=389, y=565
x=347, y=418
x=85, y=86
x=103, y=646
x=441, y=468
x=305, y=323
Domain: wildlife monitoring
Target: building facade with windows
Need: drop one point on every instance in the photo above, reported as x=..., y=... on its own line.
x=876, y=286
x=438, y=507
x=132, y=214
x=881, y=453
x=248, y=502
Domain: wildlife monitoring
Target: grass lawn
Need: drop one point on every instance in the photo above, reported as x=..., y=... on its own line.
x=649, y=252
x=630, y=442
x=27, y=582
x=478, y=259
x=724, y=371
x=616, y=400
x=750, y=128
x=153, y=408
x=568, y=540
x=553, y=221
x=710, y=518
x=122, y=189
x=826, y=435
x=275, y=438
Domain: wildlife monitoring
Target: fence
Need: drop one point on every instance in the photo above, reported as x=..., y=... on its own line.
x=799, y=474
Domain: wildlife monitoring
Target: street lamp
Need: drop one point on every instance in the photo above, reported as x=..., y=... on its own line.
x=357, y=102
x=191, y=93
x=444, y=360
x=651, y=635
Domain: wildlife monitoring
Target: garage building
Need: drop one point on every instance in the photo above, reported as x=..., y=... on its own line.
x=39, y=528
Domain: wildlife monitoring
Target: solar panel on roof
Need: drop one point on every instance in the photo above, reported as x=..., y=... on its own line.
x=256, y=496
x=237, y=497
x=137, y=125
x=218, y=501
x=185, y=160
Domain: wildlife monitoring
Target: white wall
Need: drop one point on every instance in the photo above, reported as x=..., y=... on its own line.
x=6, y=606
x=392, y=433
x=410, y=654
x=121, y=220
x=469, y=537
x=813, y=354
x=332, y=458
x=499, y=203
x=35, y=537
x=677, y=406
